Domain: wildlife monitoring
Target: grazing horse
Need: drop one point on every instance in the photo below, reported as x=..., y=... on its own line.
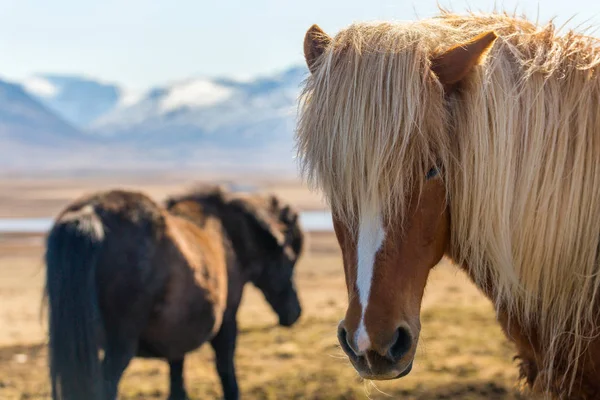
x=476, y=137
x=133, y=278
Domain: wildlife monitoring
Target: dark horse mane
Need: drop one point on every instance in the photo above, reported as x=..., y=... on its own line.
x=200, y=194
x=267, y=210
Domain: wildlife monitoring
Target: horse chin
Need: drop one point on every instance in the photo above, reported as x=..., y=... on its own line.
x=395, y=373
x=290, y=317
x=405, y=372
x=287, y=322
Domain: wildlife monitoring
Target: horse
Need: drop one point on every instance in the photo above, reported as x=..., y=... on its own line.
x=473, y=137
x=127, y=277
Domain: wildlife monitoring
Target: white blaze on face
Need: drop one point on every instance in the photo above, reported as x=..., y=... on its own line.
x=370, y=239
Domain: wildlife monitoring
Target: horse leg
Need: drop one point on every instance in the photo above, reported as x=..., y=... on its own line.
x=224, y=345
x=177, y=387
x=117, y=356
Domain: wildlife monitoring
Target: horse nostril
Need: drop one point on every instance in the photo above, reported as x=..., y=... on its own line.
x=401, y=344
x=343, y=339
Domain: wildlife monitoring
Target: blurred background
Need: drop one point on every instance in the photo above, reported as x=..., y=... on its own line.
x=160, y=96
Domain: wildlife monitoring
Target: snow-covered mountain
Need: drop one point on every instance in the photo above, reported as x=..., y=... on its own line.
x=217, y=112
x=77, y=99
x=191, y=122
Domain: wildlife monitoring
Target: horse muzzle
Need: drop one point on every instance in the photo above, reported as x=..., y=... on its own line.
x=394, y=362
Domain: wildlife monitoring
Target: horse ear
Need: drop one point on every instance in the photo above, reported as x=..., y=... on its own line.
x=315, y=43
x=288, y=216
x=454, y=64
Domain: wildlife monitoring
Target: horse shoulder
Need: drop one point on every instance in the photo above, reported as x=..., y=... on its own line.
x=197, y=263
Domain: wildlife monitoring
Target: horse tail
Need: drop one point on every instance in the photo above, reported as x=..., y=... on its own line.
x=72, y=250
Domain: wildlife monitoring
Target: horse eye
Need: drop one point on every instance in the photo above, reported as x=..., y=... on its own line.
x=432, y=172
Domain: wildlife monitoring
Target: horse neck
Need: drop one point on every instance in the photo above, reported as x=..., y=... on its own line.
x=239, y=264
x=236, y=278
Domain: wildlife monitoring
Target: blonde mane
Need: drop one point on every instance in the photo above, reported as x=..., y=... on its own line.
x=518, y=147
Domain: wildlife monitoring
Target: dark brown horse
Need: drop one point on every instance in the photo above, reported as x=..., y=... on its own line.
x=133, y=278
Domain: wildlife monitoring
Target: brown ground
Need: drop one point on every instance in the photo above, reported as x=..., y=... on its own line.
x=463, y=354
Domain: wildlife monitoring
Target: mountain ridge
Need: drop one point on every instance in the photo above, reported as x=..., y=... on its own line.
x=196, y=121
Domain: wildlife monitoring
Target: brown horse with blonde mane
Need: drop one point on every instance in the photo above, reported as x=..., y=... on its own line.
x=134, y=278
x=476, y=137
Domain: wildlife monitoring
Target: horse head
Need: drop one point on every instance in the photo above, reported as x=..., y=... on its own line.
x=274, y=241
x=359, y=122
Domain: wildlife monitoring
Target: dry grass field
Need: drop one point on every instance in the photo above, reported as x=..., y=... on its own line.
x=463, y=354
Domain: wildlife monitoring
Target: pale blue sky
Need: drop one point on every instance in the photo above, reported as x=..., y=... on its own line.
x=141, y=43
